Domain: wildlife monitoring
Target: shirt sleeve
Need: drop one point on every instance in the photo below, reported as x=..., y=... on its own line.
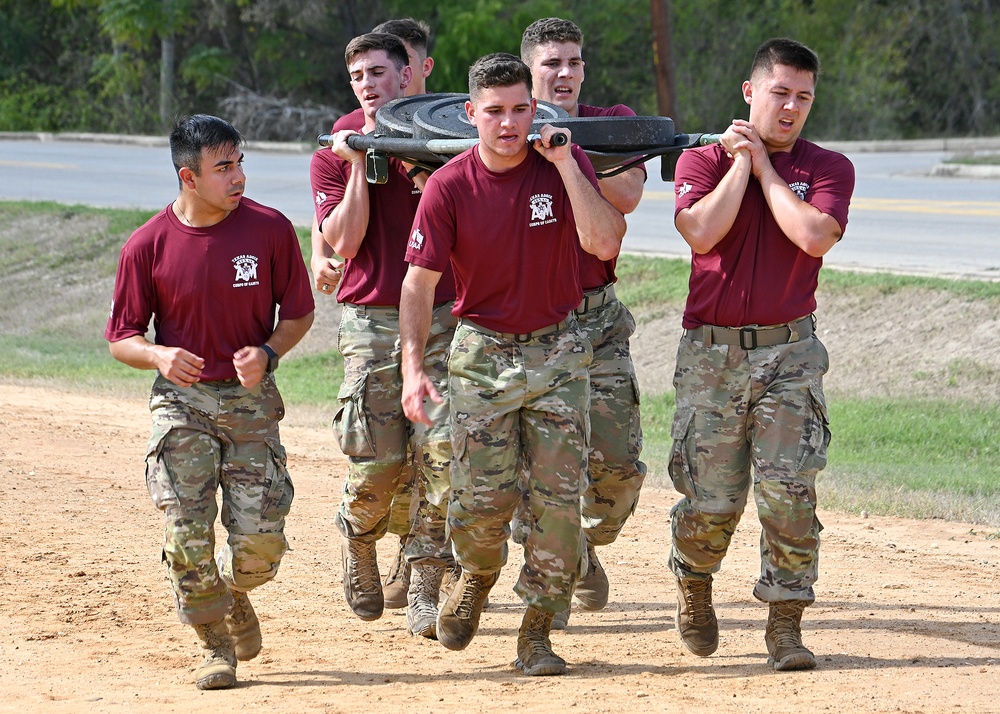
x=132, y=299
x=434, y=230
x=328, y=175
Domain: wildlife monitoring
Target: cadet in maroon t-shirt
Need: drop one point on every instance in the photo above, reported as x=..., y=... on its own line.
x=210, y=271
x=759, y=211
x=553, y=48
x=367, y=225
x=509, y=219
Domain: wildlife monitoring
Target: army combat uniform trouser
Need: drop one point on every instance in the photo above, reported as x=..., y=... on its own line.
x=208, y=435
x=370, y=426
x=520, y=403
x=742, y=411
x=615, y=471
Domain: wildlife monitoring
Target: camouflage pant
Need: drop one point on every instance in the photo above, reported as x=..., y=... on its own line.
x=736, y=409
x=615, y=473
x=370, y=427
x=205, y=436
x=517, y=404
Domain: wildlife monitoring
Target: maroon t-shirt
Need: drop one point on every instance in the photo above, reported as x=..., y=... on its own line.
x=756, y=275
x=510, y=237
x=375, y=275
x=212, y=290
x=354, y=120
x=594, y=272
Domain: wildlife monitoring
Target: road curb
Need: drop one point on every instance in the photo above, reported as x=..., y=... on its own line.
x=961, y=145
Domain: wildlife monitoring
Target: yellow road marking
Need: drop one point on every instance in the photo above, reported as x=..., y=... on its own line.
x=37, y=165
x=893, y=205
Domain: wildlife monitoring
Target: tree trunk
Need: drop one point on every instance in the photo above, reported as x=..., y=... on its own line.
x=663, y=58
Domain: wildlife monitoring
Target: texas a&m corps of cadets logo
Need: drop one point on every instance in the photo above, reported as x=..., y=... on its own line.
x=541, y=209
x=246, y=271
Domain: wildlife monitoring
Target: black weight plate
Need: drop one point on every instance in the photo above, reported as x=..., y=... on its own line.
x=446, y=118
x=395, y=118
x=618, y=133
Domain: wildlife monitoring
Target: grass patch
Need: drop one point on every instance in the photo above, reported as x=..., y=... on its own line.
x=922, y=459
x=934, y=459
x=975, y=159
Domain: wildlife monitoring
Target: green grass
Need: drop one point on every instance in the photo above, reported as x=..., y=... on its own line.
x=931, y=459
x=975, y=159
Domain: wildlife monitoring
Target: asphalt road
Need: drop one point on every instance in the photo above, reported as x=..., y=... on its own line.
x=902, y=218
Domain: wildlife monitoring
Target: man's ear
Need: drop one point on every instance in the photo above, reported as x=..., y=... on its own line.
x=405, y=76
x=747, y=91
x=470, y=111
x=187, y=177
x=428, y=67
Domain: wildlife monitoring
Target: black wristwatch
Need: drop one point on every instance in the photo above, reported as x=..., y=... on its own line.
x=272, y=359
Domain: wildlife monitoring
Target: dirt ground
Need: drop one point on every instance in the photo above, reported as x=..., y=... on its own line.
x=907, y=617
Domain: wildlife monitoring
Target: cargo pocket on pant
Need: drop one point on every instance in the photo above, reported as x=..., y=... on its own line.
x=278, y=488
x=350, y=425
x=682, y=467
x=159, y=479
x=815, y=435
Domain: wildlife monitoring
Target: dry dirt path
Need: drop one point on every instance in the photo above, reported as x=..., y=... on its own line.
x=907, y=617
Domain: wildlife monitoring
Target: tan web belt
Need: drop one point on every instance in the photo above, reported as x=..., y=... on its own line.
x=516, y=337
x=596, y=298
x=751, y=337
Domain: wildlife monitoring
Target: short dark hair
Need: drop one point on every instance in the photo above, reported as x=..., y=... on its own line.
x=191, y=134
x=415, y=32
x=548, y=29
x=498, y=69
x=783, y=51
x=372, y=41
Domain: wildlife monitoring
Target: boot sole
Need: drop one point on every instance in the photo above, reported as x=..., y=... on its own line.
x=590, y=603
x=692, y=648
x=793, y=662
x=217, y=680
x=542, y=669
x=453, y=643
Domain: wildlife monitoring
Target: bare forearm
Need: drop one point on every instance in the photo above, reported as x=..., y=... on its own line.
x=624, y=190
x=137, y=352
x=345, y=227
x=287, y=333
x=415, y=313
x=806, y=226
x=708, y=221
x=599, y=224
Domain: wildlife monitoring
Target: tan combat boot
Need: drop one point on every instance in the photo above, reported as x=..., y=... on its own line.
x=218, y=671
x=362, y=588
x=244, y=627
x=592, y=589
x=695, y=621
x=783, y=637
x=534, y=649
x=397, y=581
x=458, y=620
x=422, y=600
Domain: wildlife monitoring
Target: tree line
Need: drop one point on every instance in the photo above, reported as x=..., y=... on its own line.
x=891, y=68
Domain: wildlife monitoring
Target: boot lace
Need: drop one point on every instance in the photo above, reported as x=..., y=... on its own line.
x=475, y=588
x=698, y=596
x=364, y=574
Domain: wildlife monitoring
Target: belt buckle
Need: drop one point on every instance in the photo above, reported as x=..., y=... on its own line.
x=744, y=331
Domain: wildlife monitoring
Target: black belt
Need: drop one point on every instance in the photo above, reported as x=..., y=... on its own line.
x=512, y=336
x=596, y=298
x=748, y=338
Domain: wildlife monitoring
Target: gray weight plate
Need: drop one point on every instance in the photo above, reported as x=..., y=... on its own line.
x=395, y=118
x=617, y=134
x=446, y=118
